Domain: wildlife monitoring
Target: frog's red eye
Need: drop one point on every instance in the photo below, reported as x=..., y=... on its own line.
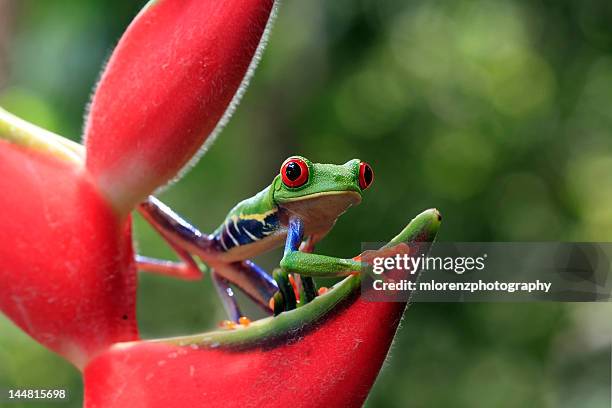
x=294, y=172
x=366, y=175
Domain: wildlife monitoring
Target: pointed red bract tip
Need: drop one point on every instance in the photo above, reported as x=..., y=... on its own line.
x=166, y=86
x=66, y=272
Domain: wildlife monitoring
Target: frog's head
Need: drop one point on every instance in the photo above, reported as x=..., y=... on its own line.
x=320, y=193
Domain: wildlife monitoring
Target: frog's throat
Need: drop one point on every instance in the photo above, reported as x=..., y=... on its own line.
x=323, y=194
x=320, y=211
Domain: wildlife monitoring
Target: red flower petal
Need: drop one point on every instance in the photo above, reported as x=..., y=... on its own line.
x=166, y=86
x=66, y=272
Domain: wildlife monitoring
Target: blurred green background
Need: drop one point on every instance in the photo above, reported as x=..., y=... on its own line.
x=498, y=113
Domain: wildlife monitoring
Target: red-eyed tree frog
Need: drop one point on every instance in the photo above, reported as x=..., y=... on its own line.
x=298, y=209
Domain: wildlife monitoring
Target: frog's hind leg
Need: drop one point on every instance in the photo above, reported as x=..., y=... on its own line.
x=251, y=279
x=179, y=233
x=181, y=236
x=228, y=297
x=186, y=269
x=185, y=239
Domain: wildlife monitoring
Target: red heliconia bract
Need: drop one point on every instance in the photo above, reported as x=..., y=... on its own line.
x=165, y=88
x=67, y=270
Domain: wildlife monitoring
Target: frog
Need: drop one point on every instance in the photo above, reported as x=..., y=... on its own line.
x=297, y=210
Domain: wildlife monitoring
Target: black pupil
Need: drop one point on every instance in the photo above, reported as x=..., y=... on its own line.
x=293, y=171
x=367, y=175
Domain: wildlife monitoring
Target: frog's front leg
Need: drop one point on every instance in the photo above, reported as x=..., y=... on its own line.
x=322, y=266
x=308, y=264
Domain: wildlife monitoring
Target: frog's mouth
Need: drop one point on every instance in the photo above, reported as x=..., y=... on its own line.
x=319, y=211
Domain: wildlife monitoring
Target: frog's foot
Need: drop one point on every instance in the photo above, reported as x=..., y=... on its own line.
x=299, y=289
x=294, y=280
x=187, y=269
x=227, y=324
x=243, y=321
